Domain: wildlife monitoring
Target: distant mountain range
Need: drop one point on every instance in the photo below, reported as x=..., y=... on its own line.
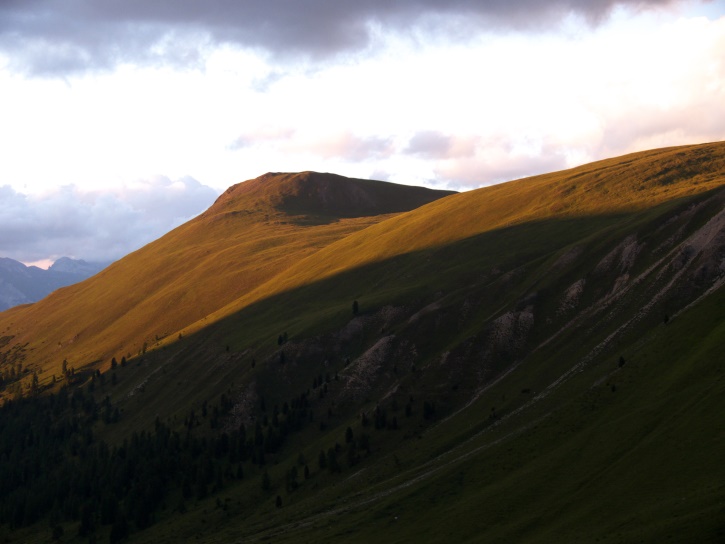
x=20, y=284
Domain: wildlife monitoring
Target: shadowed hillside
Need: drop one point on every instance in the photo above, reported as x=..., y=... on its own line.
x=537, y=361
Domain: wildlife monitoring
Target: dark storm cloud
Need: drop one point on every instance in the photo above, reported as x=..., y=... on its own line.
x=97, y=226
x=62, y=36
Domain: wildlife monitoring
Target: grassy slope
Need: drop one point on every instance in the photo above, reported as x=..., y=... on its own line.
x=579, y=464
x=240, y=243
x=606, y=188
x=164, y=287
x=639, y=463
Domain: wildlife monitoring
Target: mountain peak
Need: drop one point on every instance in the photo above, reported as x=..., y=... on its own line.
x=324, y=194
x=79, y=267
x=20, y=284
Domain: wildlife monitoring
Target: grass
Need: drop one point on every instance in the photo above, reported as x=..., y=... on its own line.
x=251, y=251
x=539, y=434
x=234, y=247
x=599, y=466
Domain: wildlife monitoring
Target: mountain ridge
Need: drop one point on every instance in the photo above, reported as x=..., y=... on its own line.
x=545, y=353
x=469, y=214
x=21, y=284
x=153, y=292
x=323, y=194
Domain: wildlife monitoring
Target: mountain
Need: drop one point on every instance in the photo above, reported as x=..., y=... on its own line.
x=20, y=284
x=245, y=238
x=78, y=267
x=322, y=359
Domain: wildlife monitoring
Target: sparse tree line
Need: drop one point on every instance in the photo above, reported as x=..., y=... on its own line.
x=12, y=371
x=54, y=467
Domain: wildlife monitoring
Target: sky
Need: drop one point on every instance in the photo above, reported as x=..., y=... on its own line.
x=120, y=120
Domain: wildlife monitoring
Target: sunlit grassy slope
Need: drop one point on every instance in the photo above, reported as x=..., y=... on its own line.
x=550, y=349
x=611, y=187
x=568, y=329
x=280, y=231
x=247, y=237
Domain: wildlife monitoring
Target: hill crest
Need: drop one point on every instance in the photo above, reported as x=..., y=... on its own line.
x=323, y=195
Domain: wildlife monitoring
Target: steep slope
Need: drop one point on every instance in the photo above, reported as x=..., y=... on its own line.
x=559, y=358
x=532, y=362
x=243, y=240
x=527, y=333
x=608, y=189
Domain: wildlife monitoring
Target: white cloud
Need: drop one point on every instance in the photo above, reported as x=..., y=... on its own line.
x=345, y=145
x=431, y=144
x=261, y=136
x=495, y=161
x=419, y=107
x=97, y=225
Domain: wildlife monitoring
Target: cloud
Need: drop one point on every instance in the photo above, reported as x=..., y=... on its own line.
x=99, y=225
x=651, y=126
x=494, y=160
x=259, y=136
x=263, y=84
x=350, y=147
x=343, y=145
x=654, y=128
x=462, y=162
x=380, y=175
x=53, y=37
x=432, y=144
x=480, y=171
x=429, y=144
x=636, y=127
